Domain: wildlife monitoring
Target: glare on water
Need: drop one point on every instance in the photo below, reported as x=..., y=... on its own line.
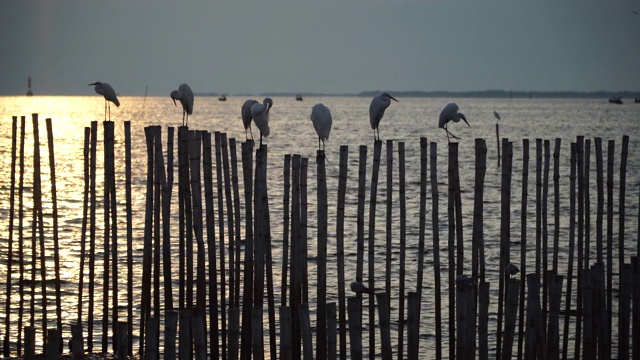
x=292, y=133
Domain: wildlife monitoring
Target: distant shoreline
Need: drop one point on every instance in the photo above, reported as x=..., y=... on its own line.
x=465, y=94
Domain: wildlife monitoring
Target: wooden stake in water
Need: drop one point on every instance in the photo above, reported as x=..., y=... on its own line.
x=609, y=289
x=523, y=239
x=129, y=215
x=435, y=198
x=285, y=230
x=304, y=246
x=362, y=178
x=413, y=324
x=621, y=200
x=230, y=224
x=147, y=248
x=296, y=262
x=505, y=235
x=321, y=318
x=556, y=204
x=236, y=206
x=342, y=187
x=92, y=233
x=211, y=237
x=21, y=234
x=403, y=251
x=599, y=199
x=167, y=189
x=247, y=292
x=451, y=246
x=423, y=212
x=221, y=239
x=377, y=149
x=545, y=232
x=85, y=219
x=553, y=332
x=389, y=225
x=354, y=305
x=498, y=141
x=511, y=311
x=580, y=170
x=7, y=319
x=572, y=212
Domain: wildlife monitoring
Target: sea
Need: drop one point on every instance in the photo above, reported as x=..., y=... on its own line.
x=408, y=120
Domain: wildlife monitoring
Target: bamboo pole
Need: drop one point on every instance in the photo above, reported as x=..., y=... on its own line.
x=304, y=167
x=635, y=325
x=221, y=239
x=505, y=222
x=185, y=183
x=56, y=242
x=458, y=214
x=362, y=178
x=151, y=352
x=342, y=186
x=604, y=346
x=285, y=333
x=85, y=219
x=305, y=326
x=296, y=262
x=371, y=246
x=599, y=199
x=185, y=345
x=29, y=343
x=511, y=311
x=436, y=249
x=451, y=245
x=236, y=206
x=621, y=201
x=572, y=212
x=535, y=335
x=545, y=233
x=39, y=229
x=413, y=324
x=285, y=230
x=147, y=247
x=556, y=204
x=269, y=260
x=123, y=346
x=624, y=312
x=609, y=260
x=7, y=319
x=423, y=211
x=53, y=344
x=587, y=204
x=129, y=221
x=247, y=293
x=167, y=189
x=198, y=333
x=589, y=342
x=498, y=141
x=403, y=242
x=21, y=239
x=553, y=330
x=230, y=223
x=354, y=305
x=182, y=226
x=170, y=331
x=483, y=320
x=157, y=194
x=580, y=255
x=385, y=326
x=92, y=233
x=195, y=146
x=478, y=261
x=259, y=204
x=389, y=213
x=211, y=246
x=332, y=335
x=77, y=343
x=523, y=240
x=321, y=283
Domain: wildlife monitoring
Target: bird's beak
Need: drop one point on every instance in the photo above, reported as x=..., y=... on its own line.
x=465, y=120
x=393, y=98
x=93, y=84
x=174, y=102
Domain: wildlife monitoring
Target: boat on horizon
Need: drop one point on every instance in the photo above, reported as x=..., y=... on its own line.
x=222, y=98
x=616, y=100
x=298, y=97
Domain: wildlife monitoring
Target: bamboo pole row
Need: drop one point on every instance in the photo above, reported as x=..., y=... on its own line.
x=468, y=295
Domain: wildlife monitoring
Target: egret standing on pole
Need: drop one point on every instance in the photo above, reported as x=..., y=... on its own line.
x=260, y=114
x=246, y=117
x=321, y=118
x=185, y=95
x=450, y=112
x=109, y=94
x=376, y=110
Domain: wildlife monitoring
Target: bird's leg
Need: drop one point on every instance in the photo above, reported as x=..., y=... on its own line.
x=109, y=107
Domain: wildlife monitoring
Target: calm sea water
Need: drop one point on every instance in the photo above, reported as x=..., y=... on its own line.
x=292, y=133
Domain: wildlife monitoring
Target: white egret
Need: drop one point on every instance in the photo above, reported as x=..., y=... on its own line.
x=246, y=117
x=321, y=118
x=260, y=114
x=185, y=96
x=450, y=112
x=495, y=113
x=376, y=110
x=109, y=94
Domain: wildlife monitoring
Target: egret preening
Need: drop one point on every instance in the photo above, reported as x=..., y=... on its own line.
x=260, y=114
x=450, y=112
x=321, y=118
x=185, y=95
x=376, y=110
x=495, y=113
x=246, y=117
x=109, y=94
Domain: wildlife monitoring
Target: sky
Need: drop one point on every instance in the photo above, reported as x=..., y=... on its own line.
x=348, y=46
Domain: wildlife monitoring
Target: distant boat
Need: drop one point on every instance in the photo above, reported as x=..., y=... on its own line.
x=615, y=100
x=222, y=98
x=298, y=97
x=637, y=100
x=29, y=93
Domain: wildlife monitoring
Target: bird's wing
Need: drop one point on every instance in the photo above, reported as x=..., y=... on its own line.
x=109, y=93
x=246, y=112
x=376, y=111
x=187, y=98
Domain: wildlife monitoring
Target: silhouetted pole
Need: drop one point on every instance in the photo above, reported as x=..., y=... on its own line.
x=371, y=251
x=505, y=235
x=403, y=251
x=388, y=227
x=7, y=319
x=342, y=186
x=247, y=293
x=523, y=243
x=129, y=216
x=92, y=233
x=572, y=212
x=321, y=283
x=435, y=198
x=21, y=239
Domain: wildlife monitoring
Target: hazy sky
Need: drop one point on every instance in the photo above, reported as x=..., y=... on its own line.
x=319, y=46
